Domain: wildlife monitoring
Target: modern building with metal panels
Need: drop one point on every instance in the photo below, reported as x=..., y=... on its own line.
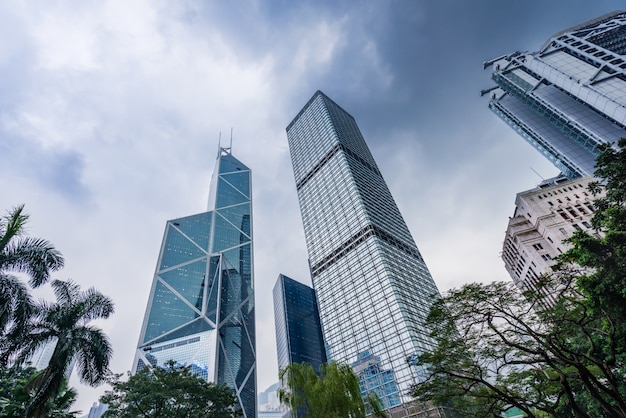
x=298, y=331
x=568, y=97
x=201, y=307
x=373, y=287
x=299, y=336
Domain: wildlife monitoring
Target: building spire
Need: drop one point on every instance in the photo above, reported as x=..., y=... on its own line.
x=224, y=150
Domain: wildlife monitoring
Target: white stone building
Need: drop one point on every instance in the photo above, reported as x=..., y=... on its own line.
x=544, y=217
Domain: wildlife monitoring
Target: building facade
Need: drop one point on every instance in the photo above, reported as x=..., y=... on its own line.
x=201, y=307
x=298, y=331
x=568, y=97
x=373, y=287
x=97, y=410
x=543, y=218
x=40, y=359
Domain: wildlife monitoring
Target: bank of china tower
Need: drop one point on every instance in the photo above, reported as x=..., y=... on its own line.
x=201, y=307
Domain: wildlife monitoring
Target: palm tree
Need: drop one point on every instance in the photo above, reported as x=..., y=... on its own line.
x=16, y=309
x=67, y=321
x=35, y=257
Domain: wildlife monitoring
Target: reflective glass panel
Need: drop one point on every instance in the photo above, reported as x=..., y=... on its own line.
x=228, y=163
x=178, y=249
x=167, y=312
x=227, y=195
x=226, y=236
x=240, y=180
x=214, y=280
x=197, y=227
x=237, y=215
x=188, y=280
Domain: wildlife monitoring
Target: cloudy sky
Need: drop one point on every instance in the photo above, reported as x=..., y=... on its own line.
x=110, y=114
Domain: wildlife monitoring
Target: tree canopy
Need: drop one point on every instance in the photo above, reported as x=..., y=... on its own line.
x=334, y=393
x=603, y=257
x=497, y=347
x=171, y=391
x=15, y=397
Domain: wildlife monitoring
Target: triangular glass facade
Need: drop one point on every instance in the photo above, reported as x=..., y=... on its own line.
x=201, y=307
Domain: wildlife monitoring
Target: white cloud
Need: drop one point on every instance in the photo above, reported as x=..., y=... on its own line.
x=319, y=45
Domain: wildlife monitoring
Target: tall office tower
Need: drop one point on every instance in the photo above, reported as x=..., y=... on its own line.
x=97, y=410
x=299, y=336
x=201, y=307
x=372, y=285
x=568, y=97
x=40, y=359
x=298, y=331
x=543, y=218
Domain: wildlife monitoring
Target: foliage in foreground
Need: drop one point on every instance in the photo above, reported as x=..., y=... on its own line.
x=20, y=253
x=26, y=326
x=172, y=392
x=335, y=393
x=496, y=348
x=14, y=396
x=67, y=321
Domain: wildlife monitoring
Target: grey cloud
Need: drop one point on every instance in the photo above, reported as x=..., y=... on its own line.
x=54, y=169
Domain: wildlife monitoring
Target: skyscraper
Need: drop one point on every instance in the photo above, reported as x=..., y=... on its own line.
x=373, y=287
x=40, y=359
x=568, y=97
x=298, y=331
x=201, y=307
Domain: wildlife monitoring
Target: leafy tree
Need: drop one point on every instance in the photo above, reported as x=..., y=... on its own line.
x=67, y=320
x=604, y=257
x=23, y=254
x=495, y=348
x=172, y=392
x=335, y=393
x=14, y=397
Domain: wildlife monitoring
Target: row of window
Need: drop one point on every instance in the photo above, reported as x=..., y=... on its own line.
x=571, y=213
x=554, y=192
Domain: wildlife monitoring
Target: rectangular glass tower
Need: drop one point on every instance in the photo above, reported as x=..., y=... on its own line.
x=568, y=97
x=298, y=330
x=373, y=287
x=201, y=307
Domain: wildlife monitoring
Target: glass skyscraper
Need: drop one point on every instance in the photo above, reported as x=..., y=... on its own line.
x=568, y=97
x=373, y=287
x=201, y=307
x=298, y=330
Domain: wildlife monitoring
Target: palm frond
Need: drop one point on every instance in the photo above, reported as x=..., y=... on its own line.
x=94, y=356
x=36, y=257
x=12, y=225
x=96, y=305
x=15, y=300
x=66, y=291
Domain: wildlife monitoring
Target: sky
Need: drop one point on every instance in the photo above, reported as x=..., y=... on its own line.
x=111, y=114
